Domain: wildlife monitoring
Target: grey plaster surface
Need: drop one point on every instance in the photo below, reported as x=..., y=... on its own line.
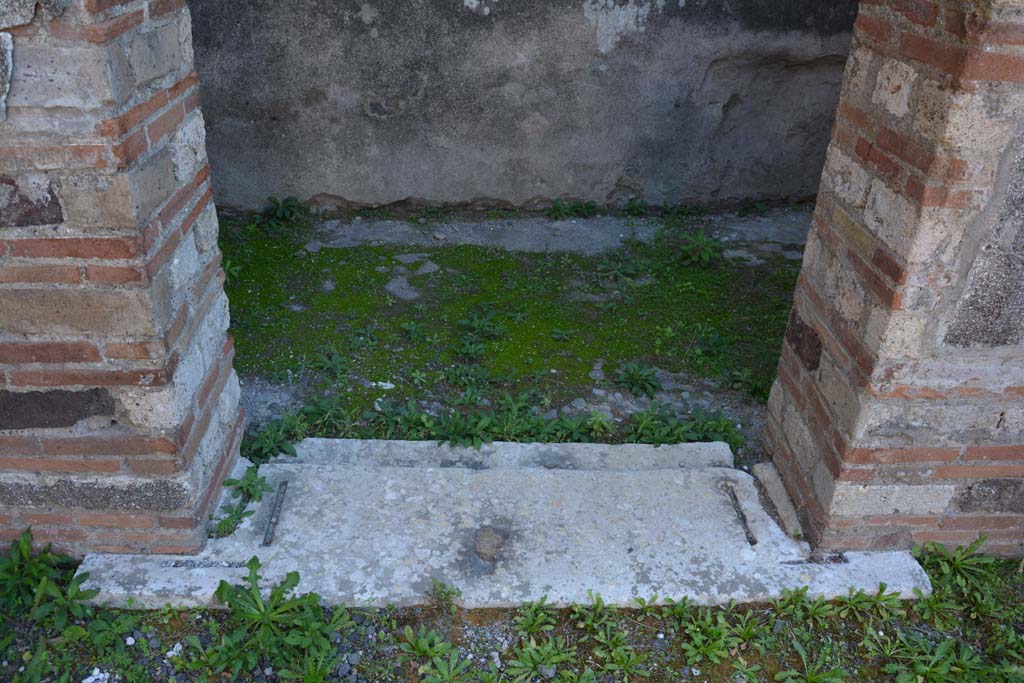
x=536, y=234
x=484, y=101
x=779, y=231
x=377, y=535
x=505, y=455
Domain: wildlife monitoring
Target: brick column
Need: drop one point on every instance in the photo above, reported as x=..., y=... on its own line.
x=898, y=415
x=118, y=404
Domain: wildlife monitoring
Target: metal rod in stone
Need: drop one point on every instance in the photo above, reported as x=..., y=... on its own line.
x=731, y=492
x=275, y=513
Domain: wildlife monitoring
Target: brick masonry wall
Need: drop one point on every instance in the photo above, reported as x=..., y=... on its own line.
x=119, y=407
x=898, y=415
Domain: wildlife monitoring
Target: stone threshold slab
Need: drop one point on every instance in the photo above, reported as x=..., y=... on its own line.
x=509, y=455
x=373, y=536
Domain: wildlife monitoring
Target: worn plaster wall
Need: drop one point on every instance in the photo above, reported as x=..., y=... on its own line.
x=520, y=101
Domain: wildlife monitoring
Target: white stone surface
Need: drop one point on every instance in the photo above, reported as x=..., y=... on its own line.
x=504, y=455
x=364, y=535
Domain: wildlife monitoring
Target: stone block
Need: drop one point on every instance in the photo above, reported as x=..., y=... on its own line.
x=189, y=147
x=894, y=87
x=993, y=495
x=76, y=311
x=846, y=177
x=858, y=500
x=891, y=217
x=29, y=200
x=145, y=57
x=206, y=229
x=54, y=76
x=48, y=409
x=153, y=182
x=98, y=200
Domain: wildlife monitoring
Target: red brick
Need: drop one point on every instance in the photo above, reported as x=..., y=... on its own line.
x=33, y=464
x=857, y=117
x=893, y=456
x=193, y=101
x=982, y=523
x=40, y=274
x=163, y=254
x=943, y=195
x=108, y=445
x=48, y=352
x=166, y=123
x=993, y=66
x=997, y=33
x=133, y=117
x=915, y=155
x=114, y=275
x=46, y=519
x=885, y=294
x=994, y=453
x=115, y=520
x=20, y=445
x=948, y=58
x=163, y=549
x=97, y=6
x=919, y=12
x=197, y=210
x=133, y=350
x=77, y=247
x=95, y=378
x=130, y=149
x=154, y=466
x=888, y=266
x=168, y=522
x=190, y=79
x=101, y=32
x=53, y=157
x=873, y=28
x=158, y=8
x=978, y=471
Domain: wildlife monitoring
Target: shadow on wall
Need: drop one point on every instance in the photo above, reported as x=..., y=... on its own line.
x=519, y=101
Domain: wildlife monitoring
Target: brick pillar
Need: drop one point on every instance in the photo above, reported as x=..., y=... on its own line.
x=898, y=415
x=118, y=404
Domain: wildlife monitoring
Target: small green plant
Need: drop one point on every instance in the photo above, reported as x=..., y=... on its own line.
x=600, y=425
x=231, y=518
x=869, y=607
x=250, y=487
x=561, y=210
x=700, y=249
x=419, y=378
x=535, y=618
x=639, y=379
x=634, y=208
x=812, y=671
x=450, y=670
x=470, y=347
x=595, y=617
x=444, y=595
x=532, y=658
x=414, y=331
x=423, y=644
x=272, y=440
x=708, y=637
x=22, y=572
x=561, y=335
x=57, y=606
x=744, y=672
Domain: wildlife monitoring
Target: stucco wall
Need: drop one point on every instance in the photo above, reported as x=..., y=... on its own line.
x=522, y=101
